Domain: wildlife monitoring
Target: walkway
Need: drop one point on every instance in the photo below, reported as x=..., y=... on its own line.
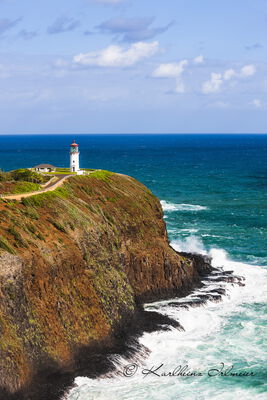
x=50, y=185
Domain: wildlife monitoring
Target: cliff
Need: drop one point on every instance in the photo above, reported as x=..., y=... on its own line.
x=75, y=265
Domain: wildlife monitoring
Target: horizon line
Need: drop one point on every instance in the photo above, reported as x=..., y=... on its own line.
x=134, y=134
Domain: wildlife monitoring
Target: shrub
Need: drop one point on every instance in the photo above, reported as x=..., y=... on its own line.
x=57, y=225
x=18, y=238
x=24, y=187
x=31, y=212
x=43, y=198
x=101, y=174
x=26, y=175
x=4, y=245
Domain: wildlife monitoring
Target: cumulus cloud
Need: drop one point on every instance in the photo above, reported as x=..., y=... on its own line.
x=229, y=74
x=6, y=24
x=132, y=29
x=175, y=71
x=63, y=24
x=198, y=60
x=248, y=70
x=117, y=56
x=214, y=84
x=171, y=70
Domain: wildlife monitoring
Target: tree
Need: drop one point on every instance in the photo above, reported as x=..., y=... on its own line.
x=27, y=175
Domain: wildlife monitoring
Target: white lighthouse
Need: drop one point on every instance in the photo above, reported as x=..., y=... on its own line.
x=74, y=157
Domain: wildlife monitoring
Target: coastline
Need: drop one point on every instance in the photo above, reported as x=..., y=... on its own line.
x=95, y=361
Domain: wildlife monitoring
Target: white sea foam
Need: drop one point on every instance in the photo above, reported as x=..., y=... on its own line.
x=217, y=332
x=169, y=207
x=191, y=244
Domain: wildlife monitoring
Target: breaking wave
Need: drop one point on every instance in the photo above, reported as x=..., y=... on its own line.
x=213, y=333
x=169, y=207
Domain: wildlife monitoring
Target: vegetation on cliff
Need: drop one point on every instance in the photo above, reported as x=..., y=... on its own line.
x=20, y=181
x=74, y=265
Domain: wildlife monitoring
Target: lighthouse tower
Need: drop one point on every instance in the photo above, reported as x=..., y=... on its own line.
x=74, y=157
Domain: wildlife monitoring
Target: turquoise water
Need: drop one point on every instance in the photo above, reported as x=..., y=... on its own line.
x=227, y=174
x=213, y=190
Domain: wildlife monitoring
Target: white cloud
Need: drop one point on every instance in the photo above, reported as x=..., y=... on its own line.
x=217, y=79
x=248, y=70
x=198, y=60
x=229, y=74
x=257, y=103
x=214, y=84
x=175, y=70
x=117, y=56
x=171, y=70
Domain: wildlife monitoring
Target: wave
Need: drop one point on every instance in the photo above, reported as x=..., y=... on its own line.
x=191, y=244
x=228, y=332
x=169, y=207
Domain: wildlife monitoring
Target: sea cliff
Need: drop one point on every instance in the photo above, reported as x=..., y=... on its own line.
x=76, y=264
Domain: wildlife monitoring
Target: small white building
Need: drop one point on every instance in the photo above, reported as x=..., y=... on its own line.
x=44, y=168
x=74, y=157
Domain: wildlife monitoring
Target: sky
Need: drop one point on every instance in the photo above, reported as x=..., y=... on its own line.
x=133, y=66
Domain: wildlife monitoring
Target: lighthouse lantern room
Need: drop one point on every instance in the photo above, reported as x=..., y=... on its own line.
x=74, y=157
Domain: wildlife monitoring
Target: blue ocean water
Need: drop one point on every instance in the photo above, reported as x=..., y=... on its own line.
x=213, y=190
x=227, y=174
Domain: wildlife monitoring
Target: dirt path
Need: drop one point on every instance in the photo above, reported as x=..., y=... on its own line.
x=51, y=185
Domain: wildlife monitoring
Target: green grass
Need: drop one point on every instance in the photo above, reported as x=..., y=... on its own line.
x=112, y=199
x=31, y=228
x=25, y=187
x=20, y=242
x=4, y=245
x=31, y=212
x=62, y=169
x=57, y=225
x=101, y=174
x=41, y=199
x=67, y=172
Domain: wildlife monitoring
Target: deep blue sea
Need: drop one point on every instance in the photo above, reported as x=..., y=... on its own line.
x=213, y=189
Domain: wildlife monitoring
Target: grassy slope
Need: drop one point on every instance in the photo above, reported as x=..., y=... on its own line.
x=18, y=187
x=86, y=249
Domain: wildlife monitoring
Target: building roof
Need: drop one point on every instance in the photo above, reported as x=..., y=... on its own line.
x=74, y=144
x=45, y=166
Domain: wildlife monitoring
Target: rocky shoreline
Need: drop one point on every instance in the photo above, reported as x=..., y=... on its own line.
x=76, y=267
x=53, y=382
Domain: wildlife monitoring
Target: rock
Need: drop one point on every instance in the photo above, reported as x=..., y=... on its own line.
x=87, y=256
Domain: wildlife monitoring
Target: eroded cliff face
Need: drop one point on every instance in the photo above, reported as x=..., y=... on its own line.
x=74, y=265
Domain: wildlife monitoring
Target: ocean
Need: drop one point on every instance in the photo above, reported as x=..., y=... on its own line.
x=213, y=190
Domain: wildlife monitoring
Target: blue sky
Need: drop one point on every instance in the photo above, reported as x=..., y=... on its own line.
x=133, y=66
